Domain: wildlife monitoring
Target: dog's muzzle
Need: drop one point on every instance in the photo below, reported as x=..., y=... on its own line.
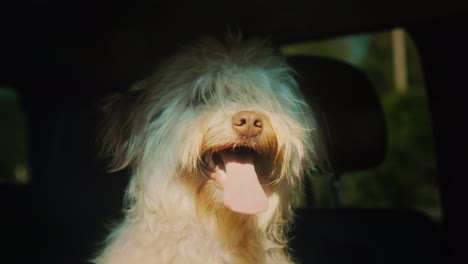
x=234, y=165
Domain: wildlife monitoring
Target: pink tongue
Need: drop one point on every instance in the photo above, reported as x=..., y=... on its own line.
x=241, y=189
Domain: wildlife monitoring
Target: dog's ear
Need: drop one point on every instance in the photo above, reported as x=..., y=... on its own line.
x=119, y=127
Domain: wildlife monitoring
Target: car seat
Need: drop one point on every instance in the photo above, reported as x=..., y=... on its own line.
x=354, y=131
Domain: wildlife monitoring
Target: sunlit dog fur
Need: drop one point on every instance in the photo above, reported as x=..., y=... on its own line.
x=168, y=128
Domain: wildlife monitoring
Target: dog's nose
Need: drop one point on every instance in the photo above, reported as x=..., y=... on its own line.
x=247, y=123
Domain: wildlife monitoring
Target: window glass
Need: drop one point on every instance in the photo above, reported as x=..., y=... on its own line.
x=408, y=176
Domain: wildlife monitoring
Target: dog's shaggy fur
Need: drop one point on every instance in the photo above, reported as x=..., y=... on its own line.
x=170, y=130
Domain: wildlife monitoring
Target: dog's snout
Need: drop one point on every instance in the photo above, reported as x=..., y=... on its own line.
x=247, y=123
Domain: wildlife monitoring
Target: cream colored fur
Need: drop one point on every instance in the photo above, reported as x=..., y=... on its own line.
x=173, y=212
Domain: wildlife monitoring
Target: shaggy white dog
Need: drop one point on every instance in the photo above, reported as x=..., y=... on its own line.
x=218, y=141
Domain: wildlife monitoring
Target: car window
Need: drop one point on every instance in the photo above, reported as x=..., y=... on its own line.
x=408, y=176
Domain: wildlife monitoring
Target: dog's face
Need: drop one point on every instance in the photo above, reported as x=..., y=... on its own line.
x=228, y=121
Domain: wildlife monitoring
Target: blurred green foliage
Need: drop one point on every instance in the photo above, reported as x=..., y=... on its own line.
x=13, y=139
x=408, y=176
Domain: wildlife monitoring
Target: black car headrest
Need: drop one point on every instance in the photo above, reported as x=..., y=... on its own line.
x=348, y=109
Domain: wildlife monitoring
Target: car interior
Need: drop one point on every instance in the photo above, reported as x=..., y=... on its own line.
x=64, y=57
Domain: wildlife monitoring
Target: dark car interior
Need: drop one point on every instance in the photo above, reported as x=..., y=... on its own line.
x=64, y=57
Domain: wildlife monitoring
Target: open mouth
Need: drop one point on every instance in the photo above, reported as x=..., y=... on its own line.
x=212, y=161
x=234, y=171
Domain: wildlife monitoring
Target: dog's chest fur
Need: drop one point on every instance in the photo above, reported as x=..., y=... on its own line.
x=176, y=238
